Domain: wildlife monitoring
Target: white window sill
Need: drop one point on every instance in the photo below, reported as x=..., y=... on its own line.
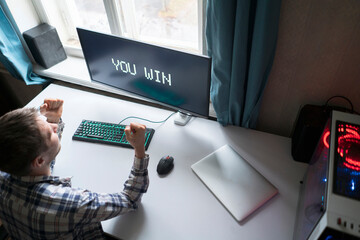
x=74, y=70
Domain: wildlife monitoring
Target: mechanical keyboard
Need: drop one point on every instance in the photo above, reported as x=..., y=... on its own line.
x=107, y=133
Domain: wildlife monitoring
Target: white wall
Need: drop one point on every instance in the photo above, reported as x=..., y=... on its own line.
x=317, y=56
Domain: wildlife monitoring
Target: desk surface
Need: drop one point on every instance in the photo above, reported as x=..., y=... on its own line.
x=177, y=206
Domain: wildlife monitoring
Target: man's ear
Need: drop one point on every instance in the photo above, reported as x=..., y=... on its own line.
x=38, y=167
x=37, y=162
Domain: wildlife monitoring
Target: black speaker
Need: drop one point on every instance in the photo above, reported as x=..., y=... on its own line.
x=308, y=129
x=45, y=45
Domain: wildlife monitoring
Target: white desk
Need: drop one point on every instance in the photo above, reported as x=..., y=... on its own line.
x=177, y=206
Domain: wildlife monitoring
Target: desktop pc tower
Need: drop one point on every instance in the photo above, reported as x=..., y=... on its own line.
x=329, y=202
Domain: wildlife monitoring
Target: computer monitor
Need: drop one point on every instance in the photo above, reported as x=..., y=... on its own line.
x=173, y=78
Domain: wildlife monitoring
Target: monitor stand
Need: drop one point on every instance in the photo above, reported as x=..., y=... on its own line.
x=182, y=118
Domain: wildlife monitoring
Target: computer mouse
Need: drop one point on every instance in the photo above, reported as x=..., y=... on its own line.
x=165, y=165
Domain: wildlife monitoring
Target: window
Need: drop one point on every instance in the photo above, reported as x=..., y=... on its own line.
x=171, y=23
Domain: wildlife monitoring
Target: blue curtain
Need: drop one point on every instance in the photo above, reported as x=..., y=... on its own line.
x=241, y=38
x=12, y=53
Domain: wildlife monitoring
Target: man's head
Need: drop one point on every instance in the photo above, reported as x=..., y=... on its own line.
x=28, y=143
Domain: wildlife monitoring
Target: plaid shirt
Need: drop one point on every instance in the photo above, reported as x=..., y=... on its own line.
x=47, y=207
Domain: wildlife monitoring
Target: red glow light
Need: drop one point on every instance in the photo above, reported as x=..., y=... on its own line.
x=351, y=167
x=349, y=146
x=326, y=140
x=353, y=132
x=353, y=162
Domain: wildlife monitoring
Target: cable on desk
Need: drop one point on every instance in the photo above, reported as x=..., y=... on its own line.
x=148, y=119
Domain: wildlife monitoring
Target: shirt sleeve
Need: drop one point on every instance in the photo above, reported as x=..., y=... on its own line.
x=96, y=207
x=60, y=129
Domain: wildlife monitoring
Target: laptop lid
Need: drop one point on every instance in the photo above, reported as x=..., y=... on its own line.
x=234, y=182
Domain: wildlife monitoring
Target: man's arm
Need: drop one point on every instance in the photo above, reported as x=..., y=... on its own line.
x=52, y=109
x=96, y=207
x=135, y=135
x=69, y=208
x=104, y=206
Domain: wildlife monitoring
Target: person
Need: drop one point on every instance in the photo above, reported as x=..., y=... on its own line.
x=34, y=204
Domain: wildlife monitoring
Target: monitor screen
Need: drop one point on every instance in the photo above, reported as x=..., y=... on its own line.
x=174, y=78
x=347, y=160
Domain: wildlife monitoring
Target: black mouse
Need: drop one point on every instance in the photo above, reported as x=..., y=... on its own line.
x=165, y=165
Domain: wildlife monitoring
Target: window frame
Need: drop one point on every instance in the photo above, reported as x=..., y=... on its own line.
x=117, y=27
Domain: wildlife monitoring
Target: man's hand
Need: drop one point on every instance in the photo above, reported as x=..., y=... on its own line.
x=135, y=135
x=52, y=109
